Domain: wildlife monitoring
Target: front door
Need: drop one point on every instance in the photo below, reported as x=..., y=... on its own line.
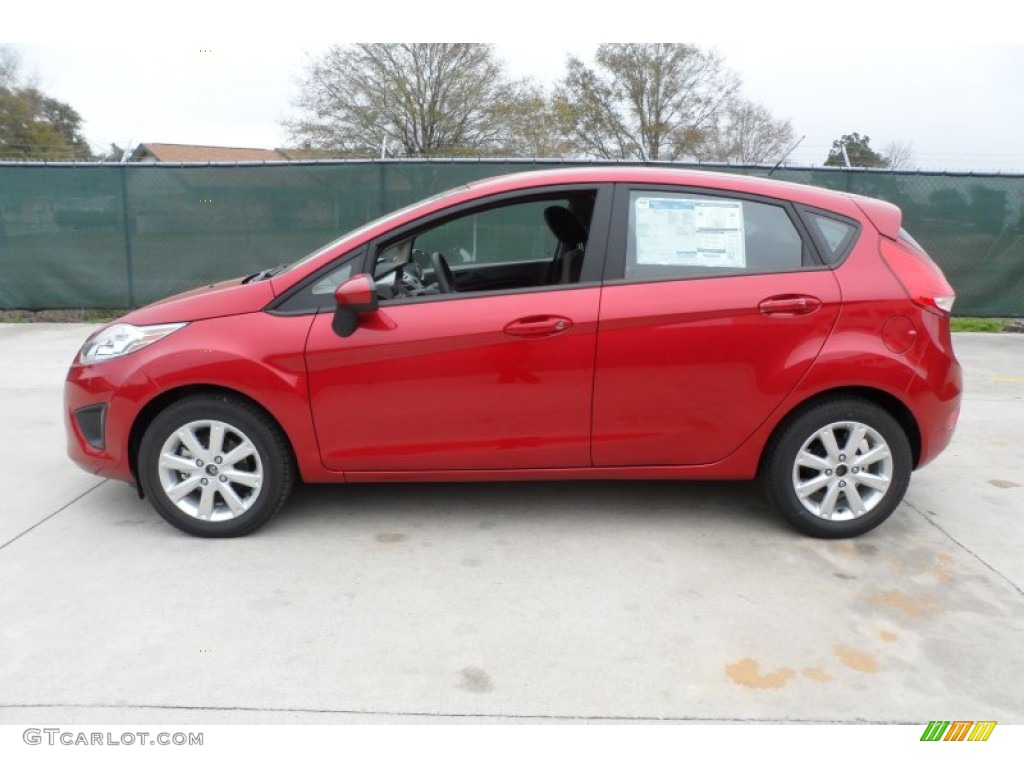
x=490, y=382
x=495, y=374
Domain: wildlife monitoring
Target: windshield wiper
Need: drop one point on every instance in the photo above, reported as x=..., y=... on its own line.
x=263, y=274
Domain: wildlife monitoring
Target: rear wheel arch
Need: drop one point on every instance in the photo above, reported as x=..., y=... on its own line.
x=839, y=465
x=891, y=404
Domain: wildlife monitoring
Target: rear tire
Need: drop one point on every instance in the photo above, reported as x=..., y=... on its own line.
x=215, y=466
x=838, y=469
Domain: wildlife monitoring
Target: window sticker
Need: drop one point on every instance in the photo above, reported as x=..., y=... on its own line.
x=690, y=233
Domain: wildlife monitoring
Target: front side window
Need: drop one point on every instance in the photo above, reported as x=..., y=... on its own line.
x=510, y=234
x=680, y=235
x=503, y=246
x=333, y=279
x=318, y=294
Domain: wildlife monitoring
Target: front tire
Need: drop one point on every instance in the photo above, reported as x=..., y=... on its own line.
x=215, y=466
x=838, y=469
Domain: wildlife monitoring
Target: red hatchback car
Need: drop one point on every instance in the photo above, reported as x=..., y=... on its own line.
x=632, y=323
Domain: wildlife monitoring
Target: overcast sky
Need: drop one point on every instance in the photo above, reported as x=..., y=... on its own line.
x=959, y=104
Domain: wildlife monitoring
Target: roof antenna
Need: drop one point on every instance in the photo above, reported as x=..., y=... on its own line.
x=781, y=159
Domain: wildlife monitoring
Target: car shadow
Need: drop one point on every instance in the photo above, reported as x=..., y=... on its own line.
x=699, y=504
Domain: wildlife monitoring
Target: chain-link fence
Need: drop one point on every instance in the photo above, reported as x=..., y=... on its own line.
x=116, y=236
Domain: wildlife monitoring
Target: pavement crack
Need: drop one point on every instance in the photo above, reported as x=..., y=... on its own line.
x=52, y=514
x=967, y=549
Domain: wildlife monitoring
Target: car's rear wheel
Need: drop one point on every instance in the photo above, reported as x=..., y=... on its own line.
x=215, y=466
x=839, y=468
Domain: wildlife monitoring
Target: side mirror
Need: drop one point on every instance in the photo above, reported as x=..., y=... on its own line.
x=354, y=296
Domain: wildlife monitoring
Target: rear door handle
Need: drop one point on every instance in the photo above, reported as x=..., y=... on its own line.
x=538, y=325
x=789, y=305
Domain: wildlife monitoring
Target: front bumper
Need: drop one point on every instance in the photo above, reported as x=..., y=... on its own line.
x=100, y=406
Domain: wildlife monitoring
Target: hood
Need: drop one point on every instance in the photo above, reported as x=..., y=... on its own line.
x=229, y=297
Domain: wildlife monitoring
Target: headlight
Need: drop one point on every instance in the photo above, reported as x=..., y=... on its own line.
x=122, y=339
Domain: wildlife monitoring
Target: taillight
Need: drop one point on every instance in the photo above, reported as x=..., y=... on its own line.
x=920, y=277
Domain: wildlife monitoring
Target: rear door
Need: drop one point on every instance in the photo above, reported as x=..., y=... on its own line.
x=714, y=307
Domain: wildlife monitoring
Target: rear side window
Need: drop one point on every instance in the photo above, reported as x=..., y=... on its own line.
x=837, y=236
x=676, y=235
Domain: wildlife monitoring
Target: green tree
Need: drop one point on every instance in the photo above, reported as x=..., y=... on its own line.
x=648, y=101
x=858, y=150
x=34, y=126
x=417, y=99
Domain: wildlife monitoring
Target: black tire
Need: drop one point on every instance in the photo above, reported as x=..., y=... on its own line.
x=230, y=508
x=831, y=511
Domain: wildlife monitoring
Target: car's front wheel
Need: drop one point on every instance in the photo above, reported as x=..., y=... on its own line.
x=838, y=469
x=215, y=465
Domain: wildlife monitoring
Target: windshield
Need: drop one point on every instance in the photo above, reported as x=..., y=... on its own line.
x=355, y=233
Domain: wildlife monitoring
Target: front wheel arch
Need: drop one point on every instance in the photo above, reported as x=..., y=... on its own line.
x=215, y=465
x=158, y=404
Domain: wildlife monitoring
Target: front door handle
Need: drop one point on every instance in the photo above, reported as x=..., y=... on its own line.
x=789, y=305
x=538, y=325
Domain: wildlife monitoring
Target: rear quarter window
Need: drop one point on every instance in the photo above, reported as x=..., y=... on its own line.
x=836, y=236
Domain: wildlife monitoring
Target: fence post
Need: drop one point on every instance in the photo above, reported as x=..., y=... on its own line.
x=382, y=200
x=126, y=215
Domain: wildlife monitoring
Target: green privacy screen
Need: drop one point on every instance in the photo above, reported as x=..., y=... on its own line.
x=116, y=236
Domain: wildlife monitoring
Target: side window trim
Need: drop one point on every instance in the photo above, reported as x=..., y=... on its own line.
x=363, y=256
x=615, y=261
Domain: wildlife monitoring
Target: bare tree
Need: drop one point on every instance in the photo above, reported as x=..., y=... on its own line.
x=534, y=125
x=10, y=65
x=746, y=133
x=418, y=99
x=900, y=154
x=649, y=101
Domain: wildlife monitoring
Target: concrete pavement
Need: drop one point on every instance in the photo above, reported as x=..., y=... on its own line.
x=509, y=602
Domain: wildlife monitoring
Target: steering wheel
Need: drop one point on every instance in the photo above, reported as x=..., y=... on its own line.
x=443, y=273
